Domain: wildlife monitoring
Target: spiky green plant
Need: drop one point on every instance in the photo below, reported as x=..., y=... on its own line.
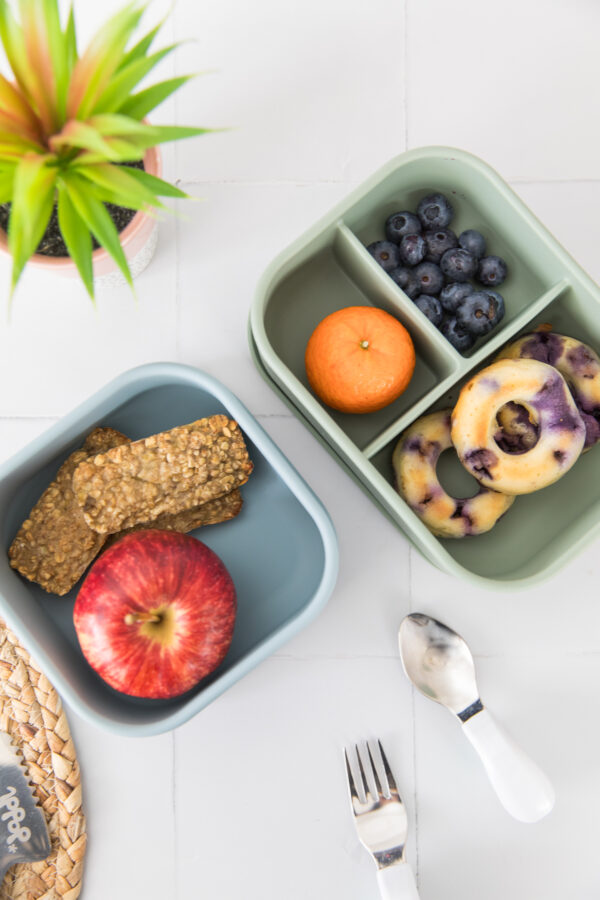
x=68, y=120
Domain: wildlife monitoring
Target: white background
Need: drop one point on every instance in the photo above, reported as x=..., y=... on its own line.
x=248, y=800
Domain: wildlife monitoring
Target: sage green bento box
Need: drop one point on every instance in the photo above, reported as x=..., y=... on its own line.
x=329, y=268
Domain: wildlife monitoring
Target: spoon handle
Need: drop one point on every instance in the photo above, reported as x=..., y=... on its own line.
x=522, y=788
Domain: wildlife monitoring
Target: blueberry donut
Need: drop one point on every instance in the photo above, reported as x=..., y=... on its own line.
x=415, y=460
x=577, y=363
x=543, y=392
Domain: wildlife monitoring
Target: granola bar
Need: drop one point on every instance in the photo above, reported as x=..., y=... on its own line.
x=220, y=510
x=162, y=474
x=54, y=545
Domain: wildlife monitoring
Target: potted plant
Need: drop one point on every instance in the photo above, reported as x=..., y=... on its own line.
x=79, y=162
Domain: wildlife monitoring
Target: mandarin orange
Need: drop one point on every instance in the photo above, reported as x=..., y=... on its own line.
x=359, y=359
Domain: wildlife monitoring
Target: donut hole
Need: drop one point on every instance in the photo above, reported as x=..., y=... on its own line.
x=454, y=478
x=518, y=428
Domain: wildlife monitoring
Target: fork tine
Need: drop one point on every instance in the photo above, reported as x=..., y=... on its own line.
x=352, y=785
x=362, y=775
x=388, y=772
x=378, y=782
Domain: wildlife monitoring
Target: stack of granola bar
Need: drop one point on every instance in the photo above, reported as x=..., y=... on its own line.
x=178, y=480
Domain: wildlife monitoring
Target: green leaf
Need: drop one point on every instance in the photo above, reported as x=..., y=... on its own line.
x=11, y=135
x=117, y=186
x=121, y=151
x=39, y=28
x=96, y=68
x=77, y=237
x=71, y=40
x=14, y=46
x=141, y=47
x=149, y=136
x=32, y=202
x=10, y=152
x=157, y=185
x=163, y=133
x=83, y=137
x=116, y=125
x=139, y=105
x=121, y=85
x=7, y=178
x=94, y=214
x=14, y=105
x=58, y=52
x=103, y=148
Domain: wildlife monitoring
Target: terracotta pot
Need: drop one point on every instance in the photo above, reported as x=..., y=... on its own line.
x=138, y=240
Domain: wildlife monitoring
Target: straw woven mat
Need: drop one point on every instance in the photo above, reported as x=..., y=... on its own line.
x=31, y=712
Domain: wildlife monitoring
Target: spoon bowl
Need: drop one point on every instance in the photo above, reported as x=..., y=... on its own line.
x=438, y=662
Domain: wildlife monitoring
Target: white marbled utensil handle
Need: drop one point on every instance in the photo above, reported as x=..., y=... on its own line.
x=522, y=788
x=397, y=883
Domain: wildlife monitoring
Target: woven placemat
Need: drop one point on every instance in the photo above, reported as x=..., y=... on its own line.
x=31, y=712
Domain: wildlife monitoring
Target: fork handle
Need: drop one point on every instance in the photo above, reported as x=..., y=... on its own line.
x=397, y=882
x=522, y=788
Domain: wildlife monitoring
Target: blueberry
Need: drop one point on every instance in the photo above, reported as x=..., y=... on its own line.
x=458, y=264
x=407, y=280
x=473, y=241
x=430, y=278
x=386, y=254
x=492, y=271
x=439, y=240
x=454, y=334
x=401, y=223
x=430, y=307
x=498, y=301
x=480, y=312
x=454, y=293
x=412, y=249
x=435, y=211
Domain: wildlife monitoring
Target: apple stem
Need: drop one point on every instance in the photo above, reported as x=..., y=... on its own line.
x=133, y=618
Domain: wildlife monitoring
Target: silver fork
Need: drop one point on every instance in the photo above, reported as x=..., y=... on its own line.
x=382, y=825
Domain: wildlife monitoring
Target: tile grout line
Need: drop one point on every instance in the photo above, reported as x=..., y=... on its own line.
x=414, y=724
x=354, y=182
x=177, y=229
x=176, y=237
x=35, y=418
x=174, y=812
x=260, y=182
x=525, y=179
x=175, y=70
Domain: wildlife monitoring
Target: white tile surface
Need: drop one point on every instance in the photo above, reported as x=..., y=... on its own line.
x=272, y=805
x=513, y=83
x=467, y=840
x=58, y=349
x=128, y=788
x=312, y=90
x=248, y=799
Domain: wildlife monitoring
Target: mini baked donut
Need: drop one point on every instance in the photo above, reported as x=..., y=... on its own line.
x=415, y=460
x=544, y=393
x=576, y=362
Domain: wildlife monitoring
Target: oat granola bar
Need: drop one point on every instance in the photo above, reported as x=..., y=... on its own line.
x=162, y=474
x=54, y=545
x=212, y=513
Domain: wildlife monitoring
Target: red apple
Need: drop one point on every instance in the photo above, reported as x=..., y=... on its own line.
x=155, y=613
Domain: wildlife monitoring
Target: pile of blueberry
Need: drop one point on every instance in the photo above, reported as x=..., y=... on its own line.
x=434, y=268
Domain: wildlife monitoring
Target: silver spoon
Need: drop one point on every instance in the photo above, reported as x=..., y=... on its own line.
x=439, y=663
